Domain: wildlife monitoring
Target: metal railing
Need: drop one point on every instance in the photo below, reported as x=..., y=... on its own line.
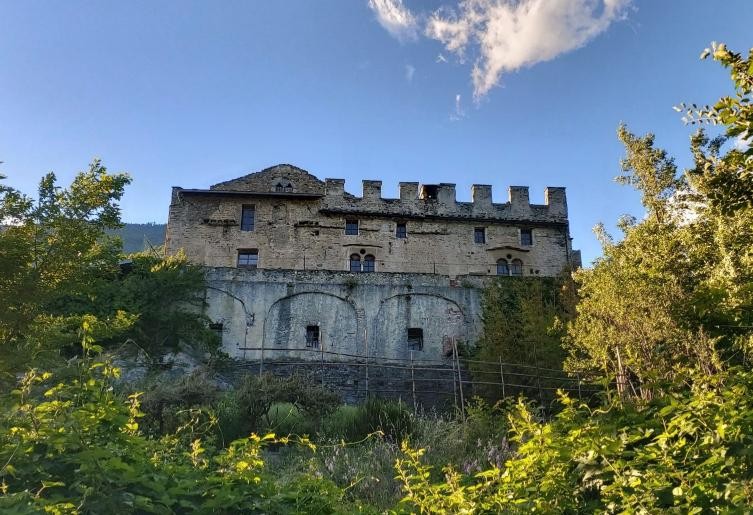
x=415, y=378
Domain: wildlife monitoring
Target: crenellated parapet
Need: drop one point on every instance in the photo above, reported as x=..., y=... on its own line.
x=439, y=200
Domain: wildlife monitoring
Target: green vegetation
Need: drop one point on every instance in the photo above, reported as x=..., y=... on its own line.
x=141, y=237
x=664, y=321
x=524, y=322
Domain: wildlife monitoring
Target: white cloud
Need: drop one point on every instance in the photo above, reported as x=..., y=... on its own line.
x=511, y=34
x=503, y=35
x=459, y=112
x=410, y=71
x=395, y=18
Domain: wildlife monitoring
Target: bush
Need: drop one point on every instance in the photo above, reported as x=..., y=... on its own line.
x=689, y=452
x=284, y=418
x=354, y=423
x=83, y=452
x=169, y=405
x=248, y=408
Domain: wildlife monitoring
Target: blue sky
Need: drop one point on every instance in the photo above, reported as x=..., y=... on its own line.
x=192, y=93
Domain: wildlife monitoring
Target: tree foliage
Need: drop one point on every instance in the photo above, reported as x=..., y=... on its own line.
x=60, y=264
x=76, y=447
x=524, y=321
x=673, y=300
x=687, y=452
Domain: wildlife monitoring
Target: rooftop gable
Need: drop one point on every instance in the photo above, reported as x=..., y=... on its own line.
x=281, y=178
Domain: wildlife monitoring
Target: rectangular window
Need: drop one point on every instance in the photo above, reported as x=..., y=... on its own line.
x=415, y=338
x=247, y=217
x=312, y=336
x=526, y=237
x=401, y=231
x=248, y=258
x=351, y=227
x=479, y=235
x=216, y=327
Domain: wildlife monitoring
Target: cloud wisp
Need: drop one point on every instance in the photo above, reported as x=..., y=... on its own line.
x=504, y=35
x=396, y=19
x=410, y=71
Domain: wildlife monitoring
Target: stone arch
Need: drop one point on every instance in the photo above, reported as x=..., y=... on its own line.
x=233, y=313
x=440, y=318
x=287, y=318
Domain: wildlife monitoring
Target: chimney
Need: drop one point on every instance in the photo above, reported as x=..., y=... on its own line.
x=334, y=187
x=175, y=198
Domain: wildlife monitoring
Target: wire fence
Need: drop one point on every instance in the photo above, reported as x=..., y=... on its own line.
x=447, y=381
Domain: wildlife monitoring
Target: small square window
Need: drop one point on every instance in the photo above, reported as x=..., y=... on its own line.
x=351, y=227
x=479, y=235
x=526, y=237
x=401, y=231
x=415, y=338
x=217, y=328
x=248, y=258
x=312, y=336
x=248, y=213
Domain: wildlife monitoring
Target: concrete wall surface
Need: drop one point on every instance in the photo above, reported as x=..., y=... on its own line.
x=265, y=313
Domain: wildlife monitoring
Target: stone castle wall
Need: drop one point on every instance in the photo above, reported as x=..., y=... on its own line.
x=303, y=228
x=265, y=313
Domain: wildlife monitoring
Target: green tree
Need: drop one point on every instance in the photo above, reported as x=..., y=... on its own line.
x=52, y=245
x=523, y=328
x=673, y=300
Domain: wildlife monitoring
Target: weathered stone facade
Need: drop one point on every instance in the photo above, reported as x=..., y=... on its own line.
x=428, y=255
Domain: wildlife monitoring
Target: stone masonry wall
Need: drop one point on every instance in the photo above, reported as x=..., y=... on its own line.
x=264, y=313
x=304, y=229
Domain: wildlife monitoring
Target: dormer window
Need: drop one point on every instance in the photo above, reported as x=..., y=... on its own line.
x=284, y=186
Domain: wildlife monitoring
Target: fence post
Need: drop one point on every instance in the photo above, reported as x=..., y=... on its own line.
x=454, y=382
x=460, y=377
x=579, y=396
x=321, y=346
x=502, y=377
x=413, y=383
x=538, y=373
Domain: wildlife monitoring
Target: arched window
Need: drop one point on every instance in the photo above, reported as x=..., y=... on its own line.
x=369, y=264
x=517, y=267
x=279, y=188
x=502, y=267
x=288, y=188
x=355, y=263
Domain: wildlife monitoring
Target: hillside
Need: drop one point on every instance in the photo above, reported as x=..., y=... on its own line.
x=138, y=237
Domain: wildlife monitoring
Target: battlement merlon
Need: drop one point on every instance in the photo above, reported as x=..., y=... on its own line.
x=443, y=195
x=556, y=200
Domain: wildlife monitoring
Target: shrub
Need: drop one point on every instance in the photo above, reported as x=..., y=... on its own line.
x=83, y=452
x=689, y=452
x=169, y=405
x=248, y=408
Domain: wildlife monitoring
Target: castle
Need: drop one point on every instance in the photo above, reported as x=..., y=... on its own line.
x=296, y=264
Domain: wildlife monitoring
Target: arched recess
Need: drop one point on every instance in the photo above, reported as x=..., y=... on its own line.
x=440, y=319
x=288, y=318
x=231, y=311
